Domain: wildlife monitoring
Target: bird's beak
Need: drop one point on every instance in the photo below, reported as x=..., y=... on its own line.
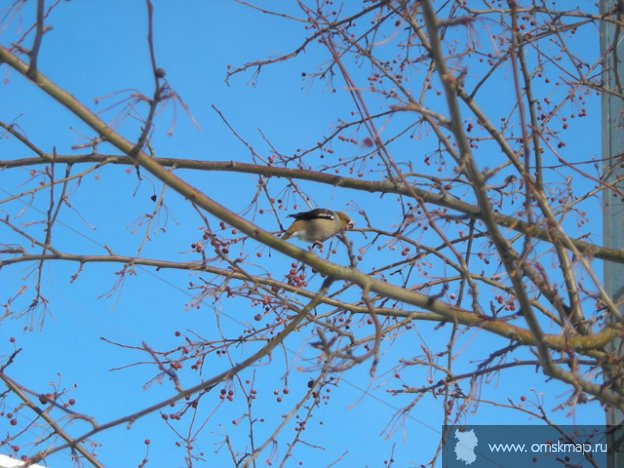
x=350, y=225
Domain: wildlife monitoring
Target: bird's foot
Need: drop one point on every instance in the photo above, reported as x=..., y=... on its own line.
x=318, y=244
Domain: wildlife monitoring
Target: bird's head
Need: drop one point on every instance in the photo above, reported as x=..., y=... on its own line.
x=346, y=222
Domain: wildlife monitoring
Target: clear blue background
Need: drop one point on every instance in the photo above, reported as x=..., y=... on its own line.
x=98, y=52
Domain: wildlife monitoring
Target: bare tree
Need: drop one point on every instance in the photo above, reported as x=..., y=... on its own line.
x=475, y=255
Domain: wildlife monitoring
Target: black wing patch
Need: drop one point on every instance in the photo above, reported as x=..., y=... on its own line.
x=319, y=213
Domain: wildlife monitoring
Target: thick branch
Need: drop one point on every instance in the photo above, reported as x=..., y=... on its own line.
x=441, y=311
x=381, y=186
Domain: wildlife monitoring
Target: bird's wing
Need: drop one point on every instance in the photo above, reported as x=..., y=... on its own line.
x=319, y=213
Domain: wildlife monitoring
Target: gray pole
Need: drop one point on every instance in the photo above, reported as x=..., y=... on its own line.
x=613, y=206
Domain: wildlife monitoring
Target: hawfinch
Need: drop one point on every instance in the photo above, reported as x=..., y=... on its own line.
x=317, y=225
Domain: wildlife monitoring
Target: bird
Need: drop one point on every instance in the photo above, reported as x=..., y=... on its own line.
x=318, y=225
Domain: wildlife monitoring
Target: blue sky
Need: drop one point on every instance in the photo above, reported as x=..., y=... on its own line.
x=98, y=52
